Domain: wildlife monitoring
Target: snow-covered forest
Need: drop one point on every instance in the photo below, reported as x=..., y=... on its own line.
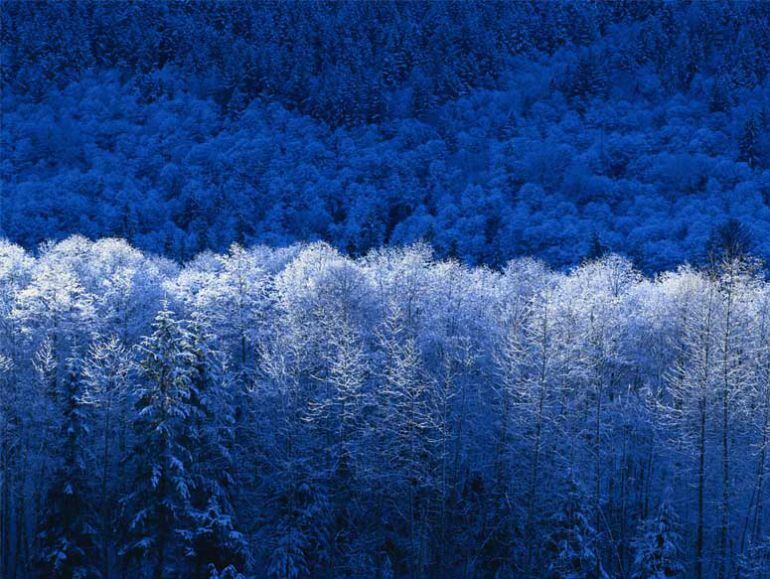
x=491, y=130
x=384, y=288
x=293, y=412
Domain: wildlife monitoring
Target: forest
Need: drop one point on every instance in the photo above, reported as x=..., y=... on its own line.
x=490, y=130
x=374, y=289
x=294, y=412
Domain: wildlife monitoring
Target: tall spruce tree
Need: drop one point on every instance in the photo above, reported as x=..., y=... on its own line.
x=572, y=544
x=158, y=508
x=216, y=546
x=66, y=538
x=657, y=549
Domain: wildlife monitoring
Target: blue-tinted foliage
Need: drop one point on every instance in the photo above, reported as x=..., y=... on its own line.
x=489, y=130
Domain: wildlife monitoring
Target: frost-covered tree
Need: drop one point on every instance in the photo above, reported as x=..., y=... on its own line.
x=406, y=435
x=67, y=534
x=571, y=548
x=693, y=385
x=658, y=551
x=107, y=369
x=736, y=286
x=158, y=504
x=337, y=419
x=216, y=544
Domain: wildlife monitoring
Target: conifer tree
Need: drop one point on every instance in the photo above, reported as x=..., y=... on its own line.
x=749, y=143
x=571, y=546
x=657, y=549
x=216, y=545
x=158, y=506
x=67, y=547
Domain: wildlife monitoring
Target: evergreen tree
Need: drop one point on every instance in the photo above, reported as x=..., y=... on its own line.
x=657, y=549
x=571, y=546
x=596, y=249
x=216, y=545
x=749, y=144
x=719, y=97
x=67, y=546
x=158, y=507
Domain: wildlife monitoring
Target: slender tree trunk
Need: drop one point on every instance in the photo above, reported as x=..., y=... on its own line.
x=702, y=424
x=753, y=524
x=5, y=501
x=725, y=519
x=533, y=477
x=21, y=550
x=105, y=512
x=724, y=529
x=701, y=487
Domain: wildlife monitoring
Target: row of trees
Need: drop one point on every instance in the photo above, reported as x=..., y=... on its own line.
x=294, y=412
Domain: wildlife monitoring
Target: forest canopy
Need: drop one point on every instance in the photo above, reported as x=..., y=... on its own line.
x=293, y=412
x=384, y=289
x=488, y=130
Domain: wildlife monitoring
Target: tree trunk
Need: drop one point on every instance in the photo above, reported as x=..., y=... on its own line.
x=701, y=488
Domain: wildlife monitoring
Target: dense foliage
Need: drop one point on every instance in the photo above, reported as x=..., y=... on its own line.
x=489, y=130
x=294, y=412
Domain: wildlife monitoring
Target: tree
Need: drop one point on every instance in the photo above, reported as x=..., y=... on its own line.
x=751, y=538
x=106, y=373
x=537, y=396
x=658, y=554
x=735, y=284
x=215, y=543
x=596, y=249
x=749, y=143
x=728, y=242
x=338, y=414
x=295, y=530
x=406, y=431
x=572, y=541
x=158, y=505
x=67, y=532
x=693, y=385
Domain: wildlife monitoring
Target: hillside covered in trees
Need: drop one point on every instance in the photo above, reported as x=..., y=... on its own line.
x=376, y=289
x=293, y=412
x=487, y=129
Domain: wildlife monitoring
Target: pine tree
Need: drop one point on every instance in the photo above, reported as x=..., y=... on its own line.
x=216, y=545
x=749, y=144
x=571, y=546
x=67, y=546
x=158, y=507
x=719, y=97
x=657, y=549
x=596, y=249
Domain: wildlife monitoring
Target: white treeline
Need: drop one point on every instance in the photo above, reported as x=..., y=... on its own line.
x=297, y=413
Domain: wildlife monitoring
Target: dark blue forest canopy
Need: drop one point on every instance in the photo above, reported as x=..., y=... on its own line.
x=491, y=130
